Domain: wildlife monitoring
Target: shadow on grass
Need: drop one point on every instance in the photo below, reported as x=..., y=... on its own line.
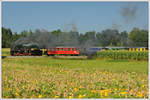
x=3, y=57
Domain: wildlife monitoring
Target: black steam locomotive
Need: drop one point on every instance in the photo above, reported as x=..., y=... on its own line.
x=26, y=50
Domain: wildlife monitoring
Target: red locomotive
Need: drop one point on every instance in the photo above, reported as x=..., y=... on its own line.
x=62, y=51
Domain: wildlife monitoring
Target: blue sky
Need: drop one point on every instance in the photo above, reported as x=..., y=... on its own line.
x=87, y=16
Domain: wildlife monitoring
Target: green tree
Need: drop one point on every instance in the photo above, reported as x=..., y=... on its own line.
x=138, y=37
x=30, y=32
x=16, y=36
x=57, y=32
x=24, y=33
x=6, y=37
x=124, y=38
x=108, y=37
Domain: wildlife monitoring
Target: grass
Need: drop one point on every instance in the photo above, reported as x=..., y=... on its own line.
x=5, y=52
x=66, y=78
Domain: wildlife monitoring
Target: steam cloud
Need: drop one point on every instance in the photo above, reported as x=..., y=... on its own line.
x=128, y=12
x=45, y=39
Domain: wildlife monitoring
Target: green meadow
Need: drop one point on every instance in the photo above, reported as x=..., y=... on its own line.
x=73, y=78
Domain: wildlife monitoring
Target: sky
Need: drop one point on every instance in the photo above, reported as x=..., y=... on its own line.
x=85, y=16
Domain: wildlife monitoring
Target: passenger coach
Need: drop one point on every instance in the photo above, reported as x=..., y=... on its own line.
x=62, y=51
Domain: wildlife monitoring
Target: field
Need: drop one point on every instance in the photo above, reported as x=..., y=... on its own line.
x=5, y=52
x=73, y=78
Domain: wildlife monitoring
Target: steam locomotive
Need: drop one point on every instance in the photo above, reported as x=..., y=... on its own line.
x=26, y=50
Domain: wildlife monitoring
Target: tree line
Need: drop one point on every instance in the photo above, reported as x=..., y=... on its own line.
x=109, y=37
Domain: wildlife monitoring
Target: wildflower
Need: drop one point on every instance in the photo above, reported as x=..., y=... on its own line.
x=115, y=89
x=75, y=89
x=56, y=96
x=33, y=82
x=110, y=91
x=16, y=94
x=93, y=91
x=105, y=94
x=70, y=97
x=6, y=97
x=39, y=96
x=123, y=93
x=143, y=86
x=132, y=91
x=140, y=94
x=80, y=86
x=101, y=93
x=23, y=86
x=106, y=90
x=80, y=96
x=147, y=93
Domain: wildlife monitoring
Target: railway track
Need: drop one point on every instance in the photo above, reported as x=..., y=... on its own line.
x=63, y=57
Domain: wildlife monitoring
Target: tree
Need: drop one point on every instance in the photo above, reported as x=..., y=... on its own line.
x=6, y=37
x=124, y=38
x=88, y=39
x=109, y=37
x=30, y=32
x=16, y=36
x=138, y=37
x=57, y=32
x=98, y=39
x=24, y=33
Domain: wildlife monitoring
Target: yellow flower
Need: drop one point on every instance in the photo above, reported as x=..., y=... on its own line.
x=23, y=86
x=105, y=94
x=33, y=82
x=101, y=93
x=56, y=96
x=6, y=97
x=39, y=96
x=93, y=91
x=16, y=94
x=140, y=94
x=80, y=96
x=106, y=90
x=80, y=86
x=123, y=93
x=147, y=93
x=75, y=89
x=143, y=86
x=110, y=91
x=70, y=97
x=132, y=91
x=115, y=89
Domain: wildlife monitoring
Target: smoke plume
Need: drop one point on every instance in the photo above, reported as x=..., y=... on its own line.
x=128, y=12
x=46, y=39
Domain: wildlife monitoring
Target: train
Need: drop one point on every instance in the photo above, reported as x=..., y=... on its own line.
x=62, y=51
x=65, y=51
